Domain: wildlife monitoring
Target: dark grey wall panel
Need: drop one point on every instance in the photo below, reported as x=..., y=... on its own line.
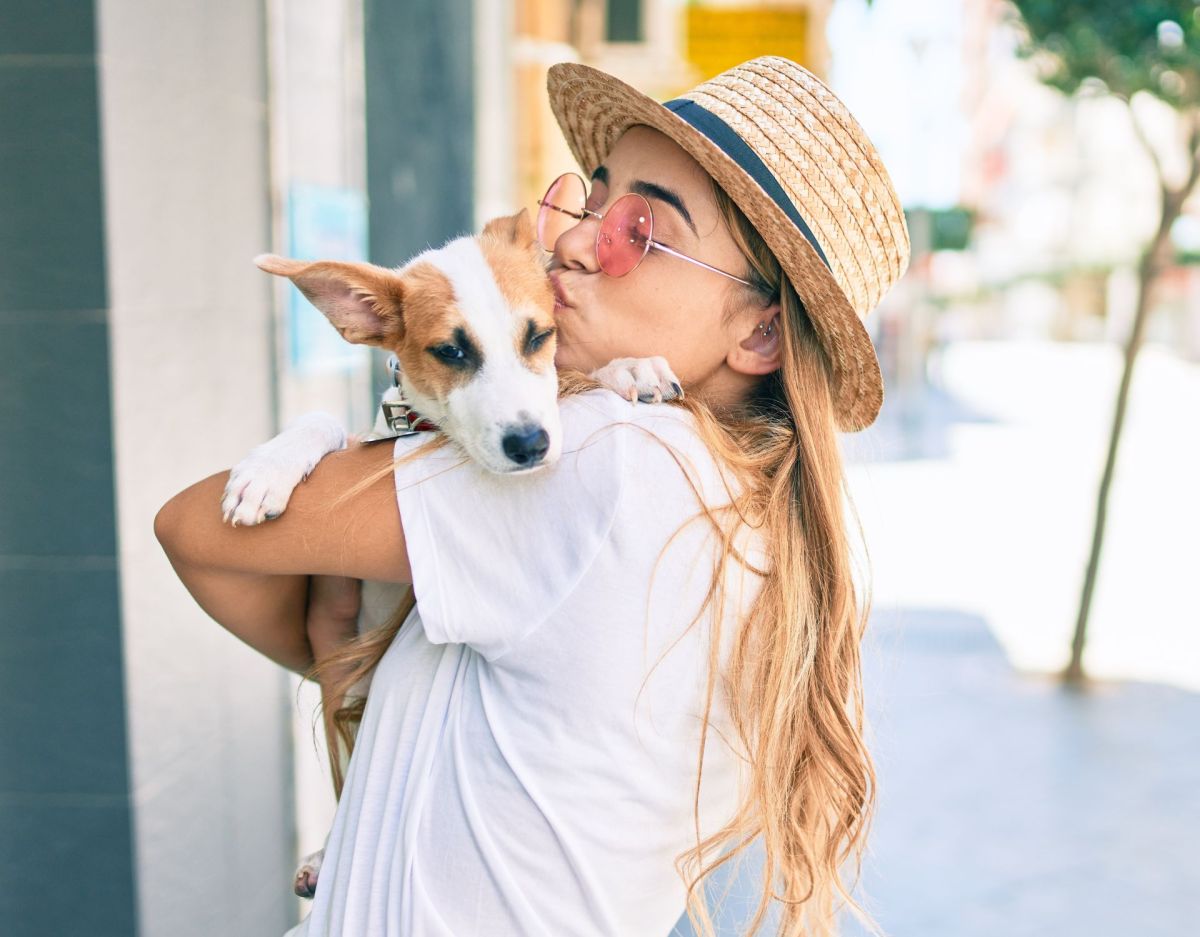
x=68, y=877
x=56, y=460
x=65, y=820
x=420, y=124
x=51, y=214
x=46, y=27
x=60, y=673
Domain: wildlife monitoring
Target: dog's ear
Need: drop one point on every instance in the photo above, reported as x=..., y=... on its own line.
x=513, y=229
x=365, y=303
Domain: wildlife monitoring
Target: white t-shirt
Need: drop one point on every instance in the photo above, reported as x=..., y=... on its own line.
x=502, y=783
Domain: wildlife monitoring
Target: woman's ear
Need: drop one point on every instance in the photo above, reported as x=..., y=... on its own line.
x=759, y=352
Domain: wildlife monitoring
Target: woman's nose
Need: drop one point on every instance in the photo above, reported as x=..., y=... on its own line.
x=576, y=247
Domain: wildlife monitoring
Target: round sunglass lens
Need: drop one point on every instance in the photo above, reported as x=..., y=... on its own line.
x=560, y=208
x=624, y=235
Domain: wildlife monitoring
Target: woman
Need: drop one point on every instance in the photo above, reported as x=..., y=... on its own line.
x=622, y=670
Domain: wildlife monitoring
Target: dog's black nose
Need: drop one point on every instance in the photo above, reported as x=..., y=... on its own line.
x=527, y=446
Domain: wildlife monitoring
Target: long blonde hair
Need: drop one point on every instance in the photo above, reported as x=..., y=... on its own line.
x=793, y=678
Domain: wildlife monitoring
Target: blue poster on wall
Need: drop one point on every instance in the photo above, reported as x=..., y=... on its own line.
x=324, y=223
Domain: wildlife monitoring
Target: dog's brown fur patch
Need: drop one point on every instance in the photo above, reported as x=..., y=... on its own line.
x=510, y=247
x=431, y=315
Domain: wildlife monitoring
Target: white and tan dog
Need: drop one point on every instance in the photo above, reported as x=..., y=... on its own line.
x=472, y=327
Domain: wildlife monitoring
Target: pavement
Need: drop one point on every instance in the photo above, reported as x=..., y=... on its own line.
x=1008, y=804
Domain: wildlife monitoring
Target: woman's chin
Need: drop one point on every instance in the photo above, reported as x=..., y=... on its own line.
x=566, y=359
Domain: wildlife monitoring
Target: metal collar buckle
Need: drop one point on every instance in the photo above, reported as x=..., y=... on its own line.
x=396, y=415
x=399, y=415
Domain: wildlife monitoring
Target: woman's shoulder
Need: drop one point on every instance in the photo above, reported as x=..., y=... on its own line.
x=600, y=409
x=669, y=477
x=659, y=445
x=601, y=406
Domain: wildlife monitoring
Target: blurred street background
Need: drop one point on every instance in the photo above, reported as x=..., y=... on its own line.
x=1033, y=679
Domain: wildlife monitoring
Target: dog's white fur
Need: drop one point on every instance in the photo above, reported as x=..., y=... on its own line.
x=502, y=396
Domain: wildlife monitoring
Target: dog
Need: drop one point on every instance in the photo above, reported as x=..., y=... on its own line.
x=470, y=326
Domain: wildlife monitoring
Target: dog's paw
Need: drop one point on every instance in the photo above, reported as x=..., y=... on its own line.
x=260, y=486
x=649, y=380
x=305, y=882
x=258, y=490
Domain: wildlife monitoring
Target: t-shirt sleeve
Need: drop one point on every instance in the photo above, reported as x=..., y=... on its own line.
x=493, y=556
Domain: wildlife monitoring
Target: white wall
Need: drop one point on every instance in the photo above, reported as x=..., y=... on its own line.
x=184, y=128
x=317, y=113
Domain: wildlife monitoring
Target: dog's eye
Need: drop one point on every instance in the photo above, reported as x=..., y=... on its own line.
x=449, y=352
x=539, y=340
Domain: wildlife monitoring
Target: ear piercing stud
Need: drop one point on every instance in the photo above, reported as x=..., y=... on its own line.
x=767, y=328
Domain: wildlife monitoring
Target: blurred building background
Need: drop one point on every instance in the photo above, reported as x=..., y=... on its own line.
x=159, y=778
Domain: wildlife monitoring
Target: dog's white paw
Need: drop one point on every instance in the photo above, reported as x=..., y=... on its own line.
x=258, y=490
x=305, y=882
x=649, y=380
x=260, y=486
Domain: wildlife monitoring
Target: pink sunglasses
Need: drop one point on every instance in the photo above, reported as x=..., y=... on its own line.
x=626, y=230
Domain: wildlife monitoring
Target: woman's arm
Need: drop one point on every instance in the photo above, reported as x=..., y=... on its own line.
x=254, y=580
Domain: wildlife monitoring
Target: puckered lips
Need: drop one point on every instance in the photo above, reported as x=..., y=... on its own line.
x=561, y=299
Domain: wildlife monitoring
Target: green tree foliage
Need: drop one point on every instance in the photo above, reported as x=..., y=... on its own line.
x=1130, y=46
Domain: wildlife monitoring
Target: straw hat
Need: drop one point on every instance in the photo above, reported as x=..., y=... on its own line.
x=787, y=151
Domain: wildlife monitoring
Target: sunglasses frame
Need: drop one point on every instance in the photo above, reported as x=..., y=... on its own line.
x=583, y=213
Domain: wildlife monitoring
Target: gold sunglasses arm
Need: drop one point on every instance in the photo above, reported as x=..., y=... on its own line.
x=577, y=215
x=675, y=253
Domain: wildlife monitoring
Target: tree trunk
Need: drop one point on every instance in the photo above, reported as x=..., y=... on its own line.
x=1152, y=263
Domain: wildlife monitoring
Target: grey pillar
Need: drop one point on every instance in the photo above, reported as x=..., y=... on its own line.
x=420, y=124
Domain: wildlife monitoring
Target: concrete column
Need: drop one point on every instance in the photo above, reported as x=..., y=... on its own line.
x=317, y=117
x=495, y=111
x=185, y=182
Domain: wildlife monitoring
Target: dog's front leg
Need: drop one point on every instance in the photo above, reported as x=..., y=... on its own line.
x=261, y=484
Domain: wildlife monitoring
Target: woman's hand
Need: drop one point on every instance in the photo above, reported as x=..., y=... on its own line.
x=332, y=617
x=331, y=621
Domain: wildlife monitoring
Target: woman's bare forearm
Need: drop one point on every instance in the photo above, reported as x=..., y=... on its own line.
x=321, y=531
x=266, y=612
x=254, y=581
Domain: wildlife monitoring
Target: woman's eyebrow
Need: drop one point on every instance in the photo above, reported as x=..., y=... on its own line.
x=652, y=190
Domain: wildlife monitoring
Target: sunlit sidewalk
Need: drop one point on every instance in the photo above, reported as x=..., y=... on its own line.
x=1009, y=806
